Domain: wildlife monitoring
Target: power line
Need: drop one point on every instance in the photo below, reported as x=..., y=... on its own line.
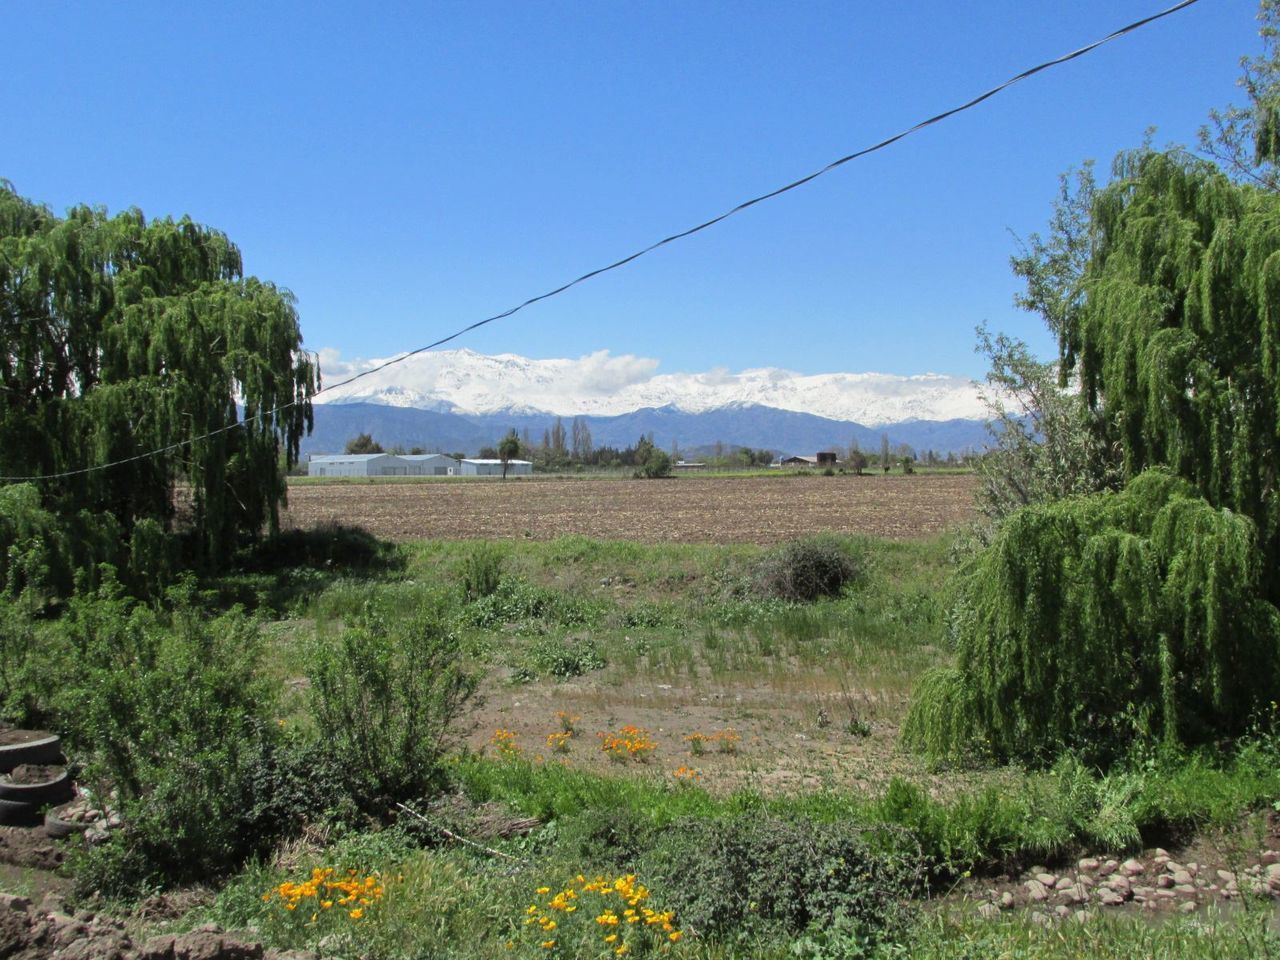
x=746, y=204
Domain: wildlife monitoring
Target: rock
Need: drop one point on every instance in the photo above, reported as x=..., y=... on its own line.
x=1048, y=879
x=157, y=948
x=1110, y=898
x=1081, y=916
x=1108, y=868
x=1270, y=856
x=1161, y=852
x=1193, y=869
x=988, y=911
x=52, y=903
x=1062, y=912
x=1120, y=885
x=9, y=901
x=1164, y=881
x=1133, y=868
x=1226, y=876
x=1088, y=865
x=1173, y=867
x=1186, y=889
x=1039, y=918
x=1166, y=895
x=1188, y=907
x=1036, y=891
x=1077, y=893
x=1064, y=883
x=1182, y=878
x=1006, y=900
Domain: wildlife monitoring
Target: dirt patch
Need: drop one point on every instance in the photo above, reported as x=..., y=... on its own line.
x=759, y=510
x=30, y=773
x=29, y=847
x=781, y=746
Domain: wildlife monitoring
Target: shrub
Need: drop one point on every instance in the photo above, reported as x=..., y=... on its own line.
x=165, y=709
x=559, y=657
x=383, y=703
x=805, y=570
x=818, y=883
x=1092, y=623
x=655, y=466
x=481, y=571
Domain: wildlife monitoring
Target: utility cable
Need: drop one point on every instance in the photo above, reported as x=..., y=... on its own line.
x=746, y=204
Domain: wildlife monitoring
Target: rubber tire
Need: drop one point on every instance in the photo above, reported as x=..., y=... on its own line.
x=17, y=814
x=47, y=750
x=58, y=790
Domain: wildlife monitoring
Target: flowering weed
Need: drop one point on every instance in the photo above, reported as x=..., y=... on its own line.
x=628, y=743
x=603, y=916
x=504, y=742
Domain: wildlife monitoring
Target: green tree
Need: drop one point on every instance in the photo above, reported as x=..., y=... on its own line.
x=508, y=450
x=364, y=443
x=121, y=336
x=1245, y=141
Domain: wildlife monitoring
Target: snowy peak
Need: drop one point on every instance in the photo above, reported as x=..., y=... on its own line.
x=601, y=384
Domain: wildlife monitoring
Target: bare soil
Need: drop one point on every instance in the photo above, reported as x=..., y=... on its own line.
x=760, y=510
x=30, y=773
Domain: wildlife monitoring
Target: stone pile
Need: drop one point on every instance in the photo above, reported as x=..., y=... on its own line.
x=1157, y=882
x=47, y=933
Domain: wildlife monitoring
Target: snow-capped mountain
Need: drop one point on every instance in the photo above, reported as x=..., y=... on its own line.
x=602, y=385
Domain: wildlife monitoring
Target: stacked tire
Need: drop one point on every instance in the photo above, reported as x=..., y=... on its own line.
x=22, y=804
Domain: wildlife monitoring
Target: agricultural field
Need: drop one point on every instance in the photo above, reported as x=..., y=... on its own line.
x=753, y=509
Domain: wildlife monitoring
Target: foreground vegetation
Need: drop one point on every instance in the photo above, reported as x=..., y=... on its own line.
x=275, y=779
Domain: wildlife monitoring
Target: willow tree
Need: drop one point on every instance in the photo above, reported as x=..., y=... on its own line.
x=1177, y=344
x=1091, y=623
x=120, y=337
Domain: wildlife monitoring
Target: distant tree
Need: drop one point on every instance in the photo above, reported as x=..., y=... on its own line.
x=460, y=456
x=363, y=443
x=417, y=451
x=559, y=444
x=884, y=452
x=487, y=453
x=582, y=445
x=397, y=450
x=908, y=465
x=857, y=461
x=508, y=450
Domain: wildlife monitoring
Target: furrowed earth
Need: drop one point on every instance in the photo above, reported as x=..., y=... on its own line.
x=760, y=510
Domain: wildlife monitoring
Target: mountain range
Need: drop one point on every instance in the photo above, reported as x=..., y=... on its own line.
x=459, y=400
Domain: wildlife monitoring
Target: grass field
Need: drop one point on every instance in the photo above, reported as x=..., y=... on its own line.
x=757, y=510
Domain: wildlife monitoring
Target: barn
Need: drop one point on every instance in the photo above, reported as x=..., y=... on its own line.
x=358, y=465
x=431, y=465
x=493, y=468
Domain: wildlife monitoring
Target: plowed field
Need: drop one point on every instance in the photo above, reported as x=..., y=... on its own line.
x=684, y=510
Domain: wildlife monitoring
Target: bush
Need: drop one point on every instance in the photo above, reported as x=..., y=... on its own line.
x=1093, y=623
x=655, y=466
x=166, y=711
x=820, y=884
x=805, y=570
x=383, y=703
x=559, y=657
x=481, y=571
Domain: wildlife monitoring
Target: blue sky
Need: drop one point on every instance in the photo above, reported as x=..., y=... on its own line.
x=406, y=169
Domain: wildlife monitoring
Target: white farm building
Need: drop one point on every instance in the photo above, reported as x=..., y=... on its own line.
x=493, y=468
x=410, y=465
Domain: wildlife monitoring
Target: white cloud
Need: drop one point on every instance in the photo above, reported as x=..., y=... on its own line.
x=602, y=384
